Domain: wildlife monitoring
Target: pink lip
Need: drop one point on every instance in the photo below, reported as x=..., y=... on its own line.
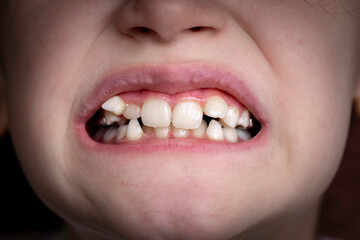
x=171, y=79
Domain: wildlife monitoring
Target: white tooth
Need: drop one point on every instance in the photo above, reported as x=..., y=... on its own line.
x=132, y=111
x=200, y=131
x=216, y=107
x=187, y=115
x=214, y=131
x=110, y=134
x=243, y=134
x=134, y=130
x=122, y=132
x=110, y=118
x=180, y=133
x=162, y=132
x=147, y=130
x=156, y=113
x=230, y=134
x=244, y=119
x=115, y=105
x=232, y=117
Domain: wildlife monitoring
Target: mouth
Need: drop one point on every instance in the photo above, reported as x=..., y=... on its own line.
x=159, y=104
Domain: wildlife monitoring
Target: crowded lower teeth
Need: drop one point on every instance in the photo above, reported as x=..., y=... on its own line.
x=118, y=122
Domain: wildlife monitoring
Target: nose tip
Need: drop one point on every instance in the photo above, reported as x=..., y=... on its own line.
x=167, y=20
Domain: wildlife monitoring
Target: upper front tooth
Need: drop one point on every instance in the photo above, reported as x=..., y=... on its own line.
x=110, y=118
x=244, y=119
x=214, y=131
x=216, y=107
x=187, y=115
x=115, y=105
x=134, y=130
x=232, y=117
x=132, y=111
x=156, y=113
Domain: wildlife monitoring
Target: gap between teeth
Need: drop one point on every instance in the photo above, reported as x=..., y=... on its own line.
x=186, y=119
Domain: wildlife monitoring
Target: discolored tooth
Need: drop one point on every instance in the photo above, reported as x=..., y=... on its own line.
x=230, y=134
x=180, y=133
x=187, y=115
x=110, y=118
x=115, y=105
x=232, y=117
x=200, y=131
x=134, y=130
x=162, y=132
x=243, y=134
x=216, y=107
x=99, y=135
x=110, y=134
x=156, y=113
x=147, y=130
x=244, y=119
x=214, y=131
x=132, y=111
x=121, y=132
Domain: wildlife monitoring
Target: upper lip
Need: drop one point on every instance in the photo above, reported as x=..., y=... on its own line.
x=172, y=79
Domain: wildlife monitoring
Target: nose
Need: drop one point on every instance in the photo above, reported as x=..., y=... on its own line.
x=168, y=20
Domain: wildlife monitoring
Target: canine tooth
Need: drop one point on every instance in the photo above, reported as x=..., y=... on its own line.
x=180, y=132
x=156, y=113
x=110, y=117
x=132, y=111
x=243, y=134
x=230, y=134
x=214, y=131
x=121, y=132
x=147, y=130
x=114, y=104
x=134, y=130
x=244, y=119
x=187, y=115
x=110, y=134
x=232, y=117
x=216, y=107
x=200, y=131
x=162, y=132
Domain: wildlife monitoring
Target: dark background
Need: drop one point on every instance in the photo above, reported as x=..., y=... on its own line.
x=22, y=212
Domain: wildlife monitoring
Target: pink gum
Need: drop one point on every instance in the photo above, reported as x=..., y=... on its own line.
x=199, y=95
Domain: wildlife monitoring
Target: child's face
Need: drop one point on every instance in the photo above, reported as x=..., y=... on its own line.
x=291, y=64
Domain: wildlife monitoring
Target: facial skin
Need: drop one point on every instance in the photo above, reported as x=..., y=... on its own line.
x=301, y=63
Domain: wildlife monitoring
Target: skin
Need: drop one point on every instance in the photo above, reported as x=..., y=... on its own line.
x=304, y=65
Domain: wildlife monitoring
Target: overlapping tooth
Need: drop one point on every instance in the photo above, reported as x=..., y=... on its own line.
x=156, y=113
x=216, y=107
x=134, y=130
x=243, y=134
x=162, y=132
x=180, y=132
x=230, y=134
x=200, y=131
x=214, y=131
x=110, y=134
x=187, y=115
x=115, y=105
x=132, y=111
x=244, y=119
x=110, y=118
x=232, y=117
x=147, y=130
x=121, y=132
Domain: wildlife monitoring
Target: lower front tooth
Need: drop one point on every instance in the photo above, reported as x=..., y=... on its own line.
x=110, y=134
x=162, y=132
x=147, y=130
x=243, y=134
x=134, y=130
x=214, y=131
x=180, y=133
x=122, y=132
x=230, y=134
x=200, y=131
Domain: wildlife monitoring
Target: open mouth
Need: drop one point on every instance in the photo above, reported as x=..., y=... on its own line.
x=207, y=114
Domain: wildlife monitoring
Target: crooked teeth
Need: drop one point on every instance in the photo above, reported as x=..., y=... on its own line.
x=230, y=134
x=115, y=105
x=187, y=115
x=110, y=118
x=110, y=134
x=244, y=119
x=200, y=131
x=232, y=117
x=243, y=134
x=156, y=113
x=216, y=107
x=162, y=132
x=132, y=111
x=121, y=132
x=214, y=131
x=134, y=130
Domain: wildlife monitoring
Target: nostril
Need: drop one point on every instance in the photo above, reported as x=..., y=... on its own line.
x=141, y=29
x=197, y=29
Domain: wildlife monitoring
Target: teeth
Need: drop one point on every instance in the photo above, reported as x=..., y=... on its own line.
x=162, y=132
x=110, y=134
x=115, y=105
x=180, y=133
x=110, y=118
x=243, y=134
x=230, y=134
x=187, y=115
x=200, y=131
x=134, y=130
x=216, y=107
x=147, y=130
x=156, y=113
x=122, y=132
x=244, y=119
x=132, y=111
x=232, y=117
x=214, y=131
